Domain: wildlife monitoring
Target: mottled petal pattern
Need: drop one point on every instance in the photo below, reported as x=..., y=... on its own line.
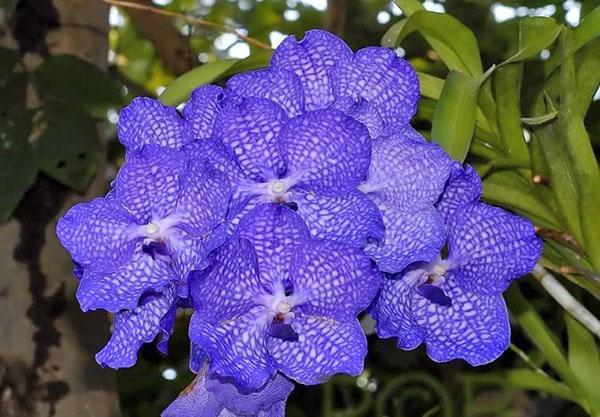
x=203, y=187
x=463, y=187
x=134, y=327
x=213, y=152
x=148, y=184
x=409, y=175
x=362, y=111
x=491, y=247
x=278, y=85
x=194, y=401
x=100, y=234
x=328, y=151
x=351, y=218
x=250, y=129
x=311, y=59
x=409, y=237
x=236, y=347
x=474, y=328
x=325, y=347
x=190, y=252
x=201, y=110
x=275, y=231
x=383, y=79
x=121, y=289
x=251, y=403
x=146, y=121
x=337, y=281
x=198, y=358
x=392, y=310
x=228, y=287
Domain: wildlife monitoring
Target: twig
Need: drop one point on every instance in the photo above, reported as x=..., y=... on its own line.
x=566, y=300
x=191, y=20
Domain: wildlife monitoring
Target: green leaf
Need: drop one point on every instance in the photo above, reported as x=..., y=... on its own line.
x=459, y=51
x=588, y=29
x=181, y=89
x=454, y=119
x=77, y=83
x=257, y=60
x=555, y=165
x=431, y=87
x=409, y=6
x=511, y=190
x=68, y=149
x=588, y=77
x=540, y=120
x=507, y=91
x=580, y=152
x=584, y=359
x=538, y=333
x=531, y=380
x=535, y=34
x=8, y=60
x=17, y=165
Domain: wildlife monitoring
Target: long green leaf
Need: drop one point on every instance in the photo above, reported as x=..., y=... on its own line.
x=446, y=30
x=587, y=62
x=507, y=90
x=581, y=153
x=584, y=359
x=559, y=170
x=454, y=119
x=531, y=380
x=509, y=189
x=180, y=89
x=453, y=59
x=411, y=6
x=535, y=34
x=536, y=330
x=588, y=29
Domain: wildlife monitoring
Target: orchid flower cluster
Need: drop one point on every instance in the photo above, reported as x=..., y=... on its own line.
x=282, y=209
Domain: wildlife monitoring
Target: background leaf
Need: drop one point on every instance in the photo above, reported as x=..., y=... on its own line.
x=18, y=169
x=454, y=119
x=181, y=89
x=73, y=81
x=68, y=147
x=584, y=359
x=535, y=34
x=447, y=31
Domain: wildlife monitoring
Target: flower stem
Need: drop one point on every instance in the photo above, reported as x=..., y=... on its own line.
x=566, y=300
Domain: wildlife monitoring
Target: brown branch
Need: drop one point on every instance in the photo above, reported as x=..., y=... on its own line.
x=191, y=20
x=172, y=48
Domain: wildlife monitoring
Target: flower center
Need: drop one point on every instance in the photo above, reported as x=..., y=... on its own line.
x=278, y=187
x=152, y=229
x=283, y=307
x=439, y=270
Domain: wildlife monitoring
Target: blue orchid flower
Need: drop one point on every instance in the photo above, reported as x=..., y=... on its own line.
x=274, y=299
x=455, y=304
x=211, y=396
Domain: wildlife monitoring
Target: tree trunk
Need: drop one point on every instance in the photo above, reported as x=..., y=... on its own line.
x=47, y=345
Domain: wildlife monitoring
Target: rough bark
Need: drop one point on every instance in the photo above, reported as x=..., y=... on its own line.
x=47, y=345
x=171, y=46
